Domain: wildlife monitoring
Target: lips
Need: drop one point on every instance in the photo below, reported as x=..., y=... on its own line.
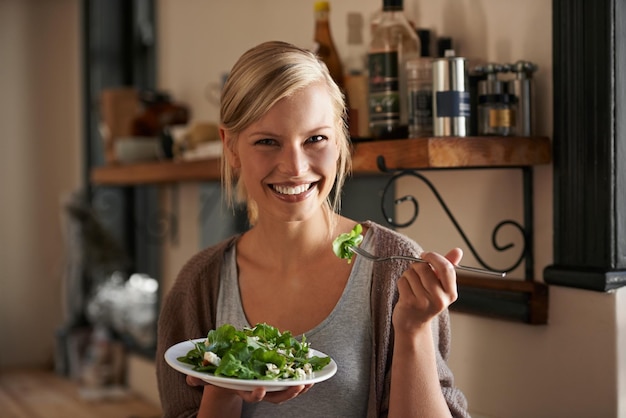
x=291, y=190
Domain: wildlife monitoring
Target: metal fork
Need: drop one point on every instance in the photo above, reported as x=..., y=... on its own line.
x=362, y=252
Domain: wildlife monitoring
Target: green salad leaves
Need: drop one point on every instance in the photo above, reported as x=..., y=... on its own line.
x=262, y=352
x=341, y=244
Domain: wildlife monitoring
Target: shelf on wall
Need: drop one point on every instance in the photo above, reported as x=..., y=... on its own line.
x=155, y=172
x=418, y=153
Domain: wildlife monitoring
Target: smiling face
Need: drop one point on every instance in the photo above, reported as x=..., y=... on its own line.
x=287, y=159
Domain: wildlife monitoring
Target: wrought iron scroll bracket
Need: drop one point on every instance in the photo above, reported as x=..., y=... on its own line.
x=525, y=230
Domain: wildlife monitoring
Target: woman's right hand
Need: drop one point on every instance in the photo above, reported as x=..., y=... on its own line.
x=425, y=290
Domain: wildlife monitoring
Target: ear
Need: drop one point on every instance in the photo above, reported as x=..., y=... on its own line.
x=229, y=151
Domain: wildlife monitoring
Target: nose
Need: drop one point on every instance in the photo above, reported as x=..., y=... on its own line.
x=293, y=160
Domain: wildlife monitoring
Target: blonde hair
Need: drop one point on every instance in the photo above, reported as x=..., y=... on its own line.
x=260, y=78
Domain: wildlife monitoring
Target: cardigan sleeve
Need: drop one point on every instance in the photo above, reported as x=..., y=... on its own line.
x=188, y=312
x=175, y=325
x=455, y=399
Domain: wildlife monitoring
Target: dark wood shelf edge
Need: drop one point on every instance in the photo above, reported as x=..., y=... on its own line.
x=451, y=153
x=515, y=300
x=156, y=172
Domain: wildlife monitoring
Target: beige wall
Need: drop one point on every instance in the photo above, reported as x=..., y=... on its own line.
x=40, y=163
x=573, y=367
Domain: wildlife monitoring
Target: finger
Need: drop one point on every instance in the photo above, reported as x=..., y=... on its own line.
x=410, y=287
x=444, y=272
x=194, y=381
x=284, y=395
x=253, y=396
x=455, y=255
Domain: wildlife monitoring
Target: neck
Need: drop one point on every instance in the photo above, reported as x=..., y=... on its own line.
x=291, y=243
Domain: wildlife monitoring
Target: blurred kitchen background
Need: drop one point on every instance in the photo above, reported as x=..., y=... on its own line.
x=84, y=265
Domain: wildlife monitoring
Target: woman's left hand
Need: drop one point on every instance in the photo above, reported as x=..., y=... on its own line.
x=425, y=290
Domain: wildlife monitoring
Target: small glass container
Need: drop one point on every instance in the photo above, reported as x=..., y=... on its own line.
x=419, y=78
x=496, y=114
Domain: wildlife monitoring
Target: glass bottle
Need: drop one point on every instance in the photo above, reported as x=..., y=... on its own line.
x=394, y=41
x=356, y=61
x=326, y=49
x=355, y=78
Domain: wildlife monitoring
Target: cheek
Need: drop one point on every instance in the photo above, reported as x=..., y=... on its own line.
x=252, y=170
x=333, y=157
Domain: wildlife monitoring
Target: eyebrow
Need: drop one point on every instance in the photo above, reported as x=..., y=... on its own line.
x=275, y=135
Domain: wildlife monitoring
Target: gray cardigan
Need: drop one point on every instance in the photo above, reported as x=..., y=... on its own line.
x=189, y=311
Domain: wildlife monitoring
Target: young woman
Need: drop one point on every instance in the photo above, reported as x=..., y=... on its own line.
x=286, y=155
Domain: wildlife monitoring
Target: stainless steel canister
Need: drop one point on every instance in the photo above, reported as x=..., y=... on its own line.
x=451, y=96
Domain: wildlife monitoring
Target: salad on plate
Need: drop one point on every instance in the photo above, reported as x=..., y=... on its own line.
x=259, y=353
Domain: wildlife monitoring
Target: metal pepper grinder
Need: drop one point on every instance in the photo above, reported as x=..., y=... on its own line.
x=520, y=87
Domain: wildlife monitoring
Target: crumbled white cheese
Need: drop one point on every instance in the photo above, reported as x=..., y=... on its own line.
x=308, y=369
x=272, y=369
x=300, y=374
x=212, y=358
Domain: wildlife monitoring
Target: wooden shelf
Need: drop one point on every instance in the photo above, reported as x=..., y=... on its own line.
x=519, y=300
x=418, y=153
x=156, y=172
x=452, y=152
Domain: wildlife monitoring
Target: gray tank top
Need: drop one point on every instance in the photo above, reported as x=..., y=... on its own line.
x=345, y=335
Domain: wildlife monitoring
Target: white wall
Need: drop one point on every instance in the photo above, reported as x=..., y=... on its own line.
x=568, y=368
x=40, y=163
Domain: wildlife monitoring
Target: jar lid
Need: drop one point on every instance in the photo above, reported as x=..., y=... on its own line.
x=393, y=5
x=419, y=68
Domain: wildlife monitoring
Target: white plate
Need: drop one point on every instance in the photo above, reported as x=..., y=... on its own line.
x=181, y=349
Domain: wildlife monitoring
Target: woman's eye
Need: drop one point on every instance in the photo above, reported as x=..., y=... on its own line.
x=316, y=138
x=265, y=141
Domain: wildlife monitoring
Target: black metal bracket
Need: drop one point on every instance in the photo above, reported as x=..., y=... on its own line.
x=526, y=253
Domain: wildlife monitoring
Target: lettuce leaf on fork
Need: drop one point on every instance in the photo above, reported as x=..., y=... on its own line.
x=341, y=244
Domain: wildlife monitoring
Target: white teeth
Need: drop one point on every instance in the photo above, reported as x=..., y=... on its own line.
x=292, y=190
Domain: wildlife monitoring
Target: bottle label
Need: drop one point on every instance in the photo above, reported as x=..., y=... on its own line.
x=421, y=109
x=501, y=118
x=453, y=104
x=384, y=99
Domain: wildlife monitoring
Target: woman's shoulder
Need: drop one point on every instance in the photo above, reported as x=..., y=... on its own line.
x=206, y=262
x=388, y=241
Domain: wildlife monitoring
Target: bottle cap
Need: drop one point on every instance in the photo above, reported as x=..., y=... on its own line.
x=321, y=6
x=424, y=35
x=393, y=5
x=443, y=44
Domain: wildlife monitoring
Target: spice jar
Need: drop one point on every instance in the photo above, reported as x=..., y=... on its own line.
x=496, y=114
x=496, y=108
